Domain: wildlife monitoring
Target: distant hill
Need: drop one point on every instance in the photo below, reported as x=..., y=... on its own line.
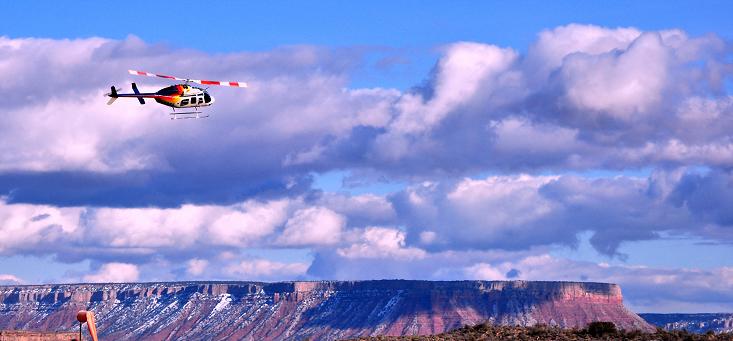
x=697, y=323
x=324, y=310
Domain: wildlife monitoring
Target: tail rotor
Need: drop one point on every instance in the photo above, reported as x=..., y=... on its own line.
x=112, y=94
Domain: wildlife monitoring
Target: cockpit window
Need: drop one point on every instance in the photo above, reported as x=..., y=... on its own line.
x=168, y=91
x=207, y=98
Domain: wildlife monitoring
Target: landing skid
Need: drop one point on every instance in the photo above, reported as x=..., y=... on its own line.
x=187, y=115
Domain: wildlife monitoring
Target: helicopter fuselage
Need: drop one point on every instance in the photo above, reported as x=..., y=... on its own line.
x=183, y=96
x=174, y=96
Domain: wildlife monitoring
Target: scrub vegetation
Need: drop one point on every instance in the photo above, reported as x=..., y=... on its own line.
x=594, y=331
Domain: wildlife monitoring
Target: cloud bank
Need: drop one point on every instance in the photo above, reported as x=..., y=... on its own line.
x=582, y=97
x=505, y=155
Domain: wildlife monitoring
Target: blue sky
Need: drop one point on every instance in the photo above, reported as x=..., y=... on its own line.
x=414, y=28
x=231, y=26
x=434, y=140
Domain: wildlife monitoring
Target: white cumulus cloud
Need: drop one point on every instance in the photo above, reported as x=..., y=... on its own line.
x=312, y=226
x=114, y=273
x=10, y=279
x=263, y=269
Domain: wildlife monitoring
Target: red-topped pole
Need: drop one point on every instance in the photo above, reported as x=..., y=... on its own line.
x=88, y=317
x=81, y=316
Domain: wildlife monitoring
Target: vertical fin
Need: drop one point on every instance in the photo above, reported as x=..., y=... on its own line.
x=113, y=95
x=137, y=92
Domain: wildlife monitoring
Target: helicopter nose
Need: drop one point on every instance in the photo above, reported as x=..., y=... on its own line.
x=208, y=98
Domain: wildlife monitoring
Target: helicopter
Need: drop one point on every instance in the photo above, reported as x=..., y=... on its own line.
x=180, y=96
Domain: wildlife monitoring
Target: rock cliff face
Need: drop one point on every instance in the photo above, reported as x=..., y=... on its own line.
x=696, y=323
x=320, y=310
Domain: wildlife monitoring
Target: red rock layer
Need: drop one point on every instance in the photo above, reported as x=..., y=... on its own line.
x=18, y=335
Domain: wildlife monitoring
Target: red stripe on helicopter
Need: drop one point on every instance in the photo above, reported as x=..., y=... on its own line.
x=210, y=83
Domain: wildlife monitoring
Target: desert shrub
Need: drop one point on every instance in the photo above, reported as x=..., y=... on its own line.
x=601, y=328
x=537, y=330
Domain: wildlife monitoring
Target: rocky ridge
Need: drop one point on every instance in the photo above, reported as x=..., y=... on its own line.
x=319, y=310
x=696, y=323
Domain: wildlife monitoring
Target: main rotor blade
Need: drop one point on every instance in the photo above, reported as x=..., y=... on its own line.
x=199, y=81
x=143, y=73
x=205, y=82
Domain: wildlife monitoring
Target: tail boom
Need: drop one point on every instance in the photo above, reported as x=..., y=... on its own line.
x=113, y=95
